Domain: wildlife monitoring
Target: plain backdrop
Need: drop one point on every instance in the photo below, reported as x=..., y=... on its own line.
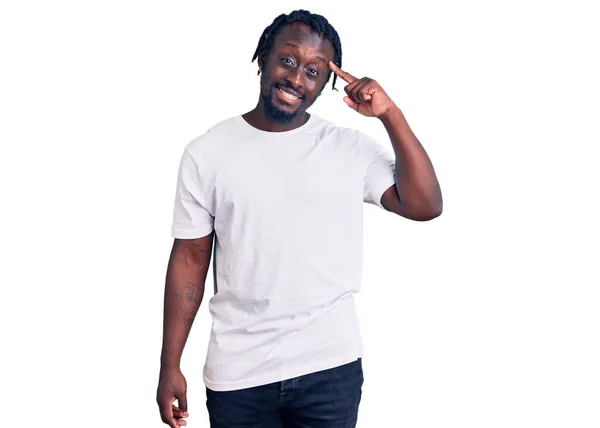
x=484, y=317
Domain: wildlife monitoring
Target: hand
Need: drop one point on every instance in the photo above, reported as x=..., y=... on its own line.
x=171, y=386
x=365, y=95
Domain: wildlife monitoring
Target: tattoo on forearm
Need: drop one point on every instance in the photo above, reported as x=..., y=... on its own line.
x=188, y=300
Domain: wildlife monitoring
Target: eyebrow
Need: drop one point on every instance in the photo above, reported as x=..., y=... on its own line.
x=297, y=47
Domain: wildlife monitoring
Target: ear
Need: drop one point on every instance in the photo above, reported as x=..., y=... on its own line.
x=262, y=59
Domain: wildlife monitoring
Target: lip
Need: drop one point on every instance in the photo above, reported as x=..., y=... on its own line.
x=289, y=91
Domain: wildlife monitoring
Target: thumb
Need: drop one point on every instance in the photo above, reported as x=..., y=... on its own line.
x=182, y=401
x=350, y=103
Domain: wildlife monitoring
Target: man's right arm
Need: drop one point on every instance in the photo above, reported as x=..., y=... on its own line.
x=184, y=290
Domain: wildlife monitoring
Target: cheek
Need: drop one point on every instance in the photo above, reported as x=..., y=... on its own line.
x=315, y=86
x=266, y=83
x=276, y=73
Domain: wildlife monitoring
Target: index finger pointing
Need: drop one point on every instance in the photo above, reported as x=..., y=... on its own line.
x=347, y=77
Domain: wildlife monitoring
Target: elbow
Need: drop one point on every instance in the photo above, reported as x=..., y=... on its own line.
x=434, y=213
x=426, y=214
x=427, y=217
x=437, y=210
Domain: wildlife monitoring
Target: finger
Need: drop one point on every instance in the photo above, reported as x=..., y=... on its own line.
x=351, y=91
x=166, y=413
x=362, y=91
x=341, y=73
x=182, y=401
x=178, y=413
x=356, y=96
x=351, y=103
x=179, y=417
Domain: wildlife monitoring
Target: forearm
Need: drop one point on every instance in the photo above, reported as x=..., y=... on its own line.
x=416, y=182
x=184, y=290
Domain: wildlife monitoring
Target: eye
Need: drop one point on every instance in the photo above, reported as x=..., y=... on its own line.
x=313, y=71
x=287, y=61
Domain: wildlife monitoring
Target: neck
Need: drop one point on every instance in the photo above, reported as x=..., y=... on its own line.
x=258, y=119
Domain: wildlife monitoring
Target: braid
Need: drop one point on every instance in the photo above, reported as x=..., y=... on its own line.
x=317, y=22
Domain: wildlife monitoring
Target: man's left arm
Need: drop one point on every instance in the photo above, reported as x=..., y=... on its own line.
x=416, y=194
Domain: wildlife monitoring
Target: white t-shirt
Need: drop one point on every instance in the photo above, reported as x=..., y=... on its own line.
x=287, y=211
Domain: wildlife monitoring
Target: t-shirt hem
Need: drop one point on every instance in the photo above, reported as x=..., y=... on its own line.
x=380, y=190
x=190, y=234
x=288, y=374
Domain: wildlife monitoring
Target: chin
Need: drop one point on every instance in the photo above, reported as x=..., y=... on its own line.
x=277, y=114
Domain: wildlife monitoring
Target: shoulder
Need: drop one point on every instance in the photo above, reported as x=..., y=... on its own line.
x=350, y=137
x=211, y=142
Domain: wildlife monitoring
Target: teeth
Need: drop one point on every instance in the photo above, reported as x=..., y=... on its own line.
x=288, y=96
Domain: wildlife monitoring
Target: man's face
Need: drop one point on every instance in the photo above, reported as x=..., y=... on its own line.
x=295, y=72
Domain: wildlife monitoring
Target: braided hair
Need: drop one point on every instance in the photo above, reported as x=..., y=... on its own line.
x=317, y=22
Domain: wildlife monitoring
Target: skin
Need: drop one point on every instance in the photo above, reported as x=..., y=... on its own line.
x=299, y=52
x=416, y=194
x=299, y=61
x=186, y=275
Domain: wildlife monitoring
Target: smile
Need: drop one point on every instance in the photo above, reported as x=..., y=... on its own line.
x=287, y=96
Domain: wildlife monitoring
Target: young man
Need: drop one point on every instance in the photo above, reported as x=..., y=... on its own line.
x=281, y=191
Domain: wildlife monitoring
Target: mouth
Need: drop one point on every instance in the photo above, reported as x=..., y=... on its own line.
x=287, y=96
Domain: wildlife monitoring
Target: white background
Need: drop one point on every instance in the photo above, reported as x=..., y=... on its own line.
x=485, y=317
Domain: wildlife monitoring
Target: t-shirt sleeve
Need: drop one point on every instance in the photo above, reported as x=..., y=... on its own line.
x=191, y=219
x=380, y=175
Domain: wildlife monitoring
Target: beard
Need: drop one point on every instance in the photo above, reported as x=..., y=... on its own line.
x=274, y=113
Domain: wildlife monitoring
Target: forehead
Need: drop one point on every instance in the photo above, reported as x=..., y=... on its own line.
x=305, y=38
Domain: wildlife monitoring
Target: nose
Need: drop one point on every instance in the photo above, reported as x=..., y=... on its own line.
x=296, y=78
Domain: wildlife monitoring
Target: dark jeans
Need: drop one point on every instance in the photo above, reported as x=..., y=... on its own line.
x=328, y=398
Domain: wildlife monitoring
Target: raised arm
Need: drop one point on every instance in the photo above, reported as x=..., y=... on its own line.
x=184, y=290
